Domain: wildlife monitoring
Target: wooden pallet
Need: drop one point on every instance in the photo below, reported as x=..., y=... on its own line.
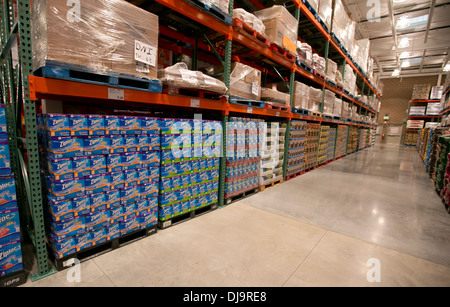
x=282, y=51
x=245, y=29
x=83, y=74
x=277, y=107
x=317, y=74
x=270, y=184
x=187, y=216
x=193, y=92
x=229, y=199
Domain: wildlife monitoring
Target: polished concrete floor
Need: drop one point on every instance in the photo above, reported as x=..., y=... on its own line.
x=319, y=229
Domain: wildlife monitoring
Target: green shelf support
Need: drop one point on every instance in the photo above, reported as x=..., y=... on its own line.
x=225, y=117
x=32, y=149
x=287, y=139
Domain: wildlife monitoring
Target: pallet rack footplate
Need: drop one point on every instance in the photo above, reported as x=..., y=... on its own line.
x=240, y=196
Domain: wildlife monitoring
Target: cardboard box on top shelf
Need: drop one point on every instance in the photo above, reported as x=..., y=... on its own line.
x=114, y=37
x=281, y=26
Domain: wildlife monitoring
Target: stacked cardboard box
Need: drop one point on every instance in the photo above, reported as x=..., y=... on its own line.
x=312, y=145
x=352, y=140
x=322, y=154
x=331, y=146
x=189, y=176
x=10, y=233
x=113, y=36
x=243, y=155
x=411, y=138
x=301, y=95
x=421, y=91
x=245, y=81
x=272, y=156
x=100, y=176
x=363, y=138
x=281, y=26
x=315, y=99
x=341, y=141
x=297, y=143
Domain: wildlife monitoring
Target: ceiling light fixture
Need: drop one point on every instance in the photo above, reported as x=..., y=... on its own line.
x=398, y=1
x=403, y=22
x=447, y=67
x=404, y=43
x=405, y=64
x=404, y=55
x=396, y=73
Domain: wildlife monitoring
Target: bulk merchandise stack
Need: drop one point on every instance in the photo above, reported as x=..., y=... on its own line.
x=442, y=169
x=422, y=145
x=410, y=138
x=341, y=141
x=10, y=234
x=322, y=153
x=363, y=138
x=243, y=156
x=352, y=140
x=272, y=156
x=438, y=132
x=189, y=177
x=312, y=145
x=297, y=147
x=428, y=149
x=100, y=175
x=331, y=147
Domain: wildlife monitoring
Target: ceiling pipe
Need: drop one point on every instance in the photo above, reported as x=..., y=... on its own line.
x=430, y=16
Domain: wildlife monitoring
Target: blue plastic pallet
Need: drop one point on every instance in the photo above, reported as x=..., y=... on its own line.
x=83, y=74
x=300, y=111
x=304, y=66
x=247, y=102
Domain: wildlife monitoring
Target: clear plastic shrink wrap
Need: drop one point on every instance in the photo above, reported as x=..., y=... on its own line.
x=328, y=102
x=319, y=64
x=301, y=95
x=325, y=11
x=337, y=109
x=245, y=81
x=250, y=19
x=342, y=26
x=179, y=76
x=275, y=96
x=220, y=4
x=331, y=70
x=100, y=35
x=281, y=26
x=315, y=99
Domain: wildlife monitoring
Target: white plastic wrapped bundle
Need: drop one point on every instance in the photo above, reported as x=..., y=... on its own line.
x=101, y=36
x=281, y=26
x=273, y=95
x=250, y=19
x=220, y=4
x=319, y=64
x=179, y=76
x=304, y=53
x=363, y=53
x=314, y=105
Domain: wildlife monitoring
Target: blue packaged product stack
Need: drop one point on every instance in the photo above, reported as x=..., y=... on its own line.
x=243, y=155
x=10, y=243
x=102, y=179
x=190, y=156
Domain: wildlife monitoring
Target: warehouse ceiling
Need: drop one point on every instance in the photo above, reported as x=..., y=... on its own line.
x=411, y=36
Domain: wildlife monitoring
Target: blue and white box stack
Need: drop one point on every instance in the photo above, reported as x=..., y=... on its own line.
x=102, y=177
x=190, y=156
x=243, y=155
x=10, y=244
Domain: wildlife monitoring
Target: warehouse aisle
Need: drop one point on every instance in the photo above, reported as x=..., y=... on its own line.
x=320, y=229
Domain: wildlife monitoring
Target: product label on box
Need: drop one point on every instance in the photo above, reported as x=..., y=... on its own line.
x=10, y=257
x=9, y=225
x=81, y=166
x=8, y=198
x=78, y=125
x=145, y=53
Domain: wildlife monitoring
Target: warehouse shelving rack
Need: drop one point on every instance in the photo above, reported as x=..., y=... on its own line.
x=21, y=89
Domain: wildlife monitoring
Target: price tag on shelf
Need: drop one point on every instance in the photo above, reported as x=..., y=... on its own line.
x=250, y=110
x=195, y=103
x=116, y=94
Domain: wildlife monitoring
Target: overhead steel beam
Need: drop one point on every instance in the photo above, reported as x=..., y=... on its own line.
x=378, y=64
x=423, y=59
x=430, y=17
x=391, y=17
